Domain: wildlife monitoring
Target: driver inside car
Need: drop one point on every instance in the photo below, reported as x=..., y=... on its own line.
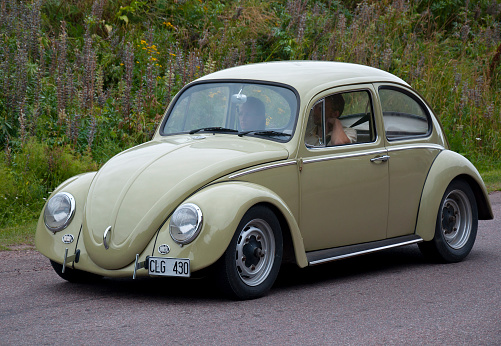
x=252, y=115
x=336, y=133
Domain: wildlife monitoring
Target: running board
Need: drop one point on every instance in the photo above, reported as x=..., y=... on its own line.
x=334, y=254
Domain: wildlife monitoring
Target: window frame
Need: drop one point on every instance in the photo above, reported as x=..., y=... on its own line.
x=372, y=99
x=294, y=118
x=419, y=102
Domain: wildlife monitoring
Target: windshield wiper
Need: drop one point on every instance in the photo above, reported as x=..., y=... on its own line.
x=264, y=133
x=213, y=129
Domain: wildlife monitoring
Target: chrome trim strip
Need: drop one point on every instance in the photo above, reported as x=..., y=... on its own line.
x=344, y=156
x=419, y=146
x=363, y=252
x=105, y=237
x=341, y=156
x=258, y=169
x=375, y=152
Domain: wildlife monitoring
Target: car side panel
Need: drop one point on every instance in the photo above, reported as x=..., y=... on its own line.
x=343, y=194
x=409, y=164
x=344, y=198
x=447, y=166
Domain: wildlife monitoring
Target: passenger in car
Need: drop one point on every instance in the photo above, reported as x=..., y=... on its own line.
x=334, y=107
x=336, y=134
x=252, y=115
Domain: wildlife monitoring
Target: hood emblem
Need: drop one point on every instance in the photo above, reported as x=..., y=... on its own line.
x=107, y=238
x=68, y=239
x=164, y=249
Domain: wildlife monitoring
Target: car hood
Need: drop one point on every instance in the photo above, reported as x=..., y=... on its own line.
x=136, y=190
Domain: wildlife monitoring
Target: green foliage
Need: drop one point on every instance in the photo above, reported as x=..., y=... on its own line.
x=17, y=237
x=83, y=80
x=492, y=178
x=31, y=173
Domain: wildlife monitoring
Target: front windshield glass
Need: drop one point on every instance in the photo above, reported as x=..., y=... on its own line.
x=236, y=108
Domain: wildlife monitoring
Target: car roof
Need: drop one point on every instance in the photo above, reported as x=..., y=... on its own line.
x=305, y=76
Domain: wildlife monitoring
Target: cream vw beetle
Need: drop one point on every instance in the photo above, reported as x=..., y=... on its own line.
x=255, y=165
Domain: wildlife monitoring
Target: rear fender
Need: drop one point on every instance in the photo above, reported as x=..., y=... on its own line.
x=448, y=166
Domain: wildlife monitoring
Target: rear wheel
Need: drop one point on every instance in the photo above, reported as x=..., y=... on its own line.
x=456, y=225
x=250, y=265
x=73, y=275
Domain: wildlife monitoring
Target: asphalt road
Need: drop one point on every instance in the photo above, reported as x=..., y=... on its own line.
x=392, y=297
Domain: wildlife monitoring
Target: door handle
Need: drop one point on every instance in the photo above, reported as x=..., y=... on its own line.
x=383, y=158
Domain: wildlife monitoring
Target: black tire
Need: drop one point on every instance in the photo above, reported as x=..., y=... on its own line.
x=456, y=225
x=250, y=264
x=74, y=275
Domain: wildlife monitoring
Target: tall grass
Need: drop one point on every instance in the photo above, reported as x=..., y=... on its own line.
x=83, y=80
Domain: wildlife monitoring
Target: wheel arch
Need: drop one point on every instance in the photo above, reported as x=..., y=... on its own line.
x=483, y=204
x=447, y=167
x=289, y=255
x=236, y=198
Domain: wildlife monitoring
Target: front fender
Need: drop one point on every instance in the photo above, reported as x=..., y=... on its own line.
x=448, y=166
x=223, y=205
x=50, y=244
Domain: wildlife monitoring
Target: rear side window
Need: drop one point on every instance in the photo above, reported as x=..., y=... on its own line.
x=404, y=115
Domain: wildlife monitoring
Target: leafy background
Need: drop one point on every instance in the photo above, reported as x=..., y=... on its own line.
x=81, y=80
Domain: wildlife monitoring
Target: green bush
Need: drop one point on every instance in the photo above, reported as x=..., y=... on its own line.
x=34, y=171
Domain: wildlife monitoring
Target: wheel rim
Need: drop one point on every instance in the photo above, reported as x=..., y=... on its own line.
x=255, y=252
x=456, y=219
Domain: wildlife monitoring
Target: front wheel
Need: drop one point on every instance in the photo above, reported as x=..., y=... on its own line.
x=250, y=265
x=456, y=226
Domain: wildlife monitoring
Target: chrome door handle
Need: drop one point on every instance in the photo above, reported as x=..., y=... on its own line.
x=383, y=158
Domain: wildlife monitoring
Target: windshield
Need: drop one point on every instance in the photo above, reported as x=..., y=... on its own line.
x=234, y=108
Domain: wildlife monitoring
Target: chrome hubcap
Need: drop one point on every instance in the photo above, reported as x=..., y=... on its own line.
x=255, y=252
x=456, y=219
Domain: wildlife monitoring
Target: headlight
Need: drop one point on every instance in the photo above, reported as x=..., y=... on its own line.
x=59, y=211
x=185, y=223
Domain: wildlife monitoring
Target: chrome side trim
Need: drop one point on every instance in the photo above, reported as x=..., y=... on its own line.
x=336, y=157
x=375, y=152
x=419, y=146
x=344, y=156
x=334, y=254
x=264, y=168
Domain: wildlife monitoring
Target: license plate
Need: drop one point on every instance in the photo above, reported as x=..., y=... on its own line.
x=162, y=266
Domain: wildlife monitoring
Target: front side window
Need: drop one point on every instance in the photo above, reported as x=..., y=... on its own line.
x=262, y=110
x=404, y=117
x=338, y=119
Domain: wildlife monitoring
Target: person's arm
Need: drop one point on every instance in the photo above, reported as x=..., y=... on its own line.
x=338, y=136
